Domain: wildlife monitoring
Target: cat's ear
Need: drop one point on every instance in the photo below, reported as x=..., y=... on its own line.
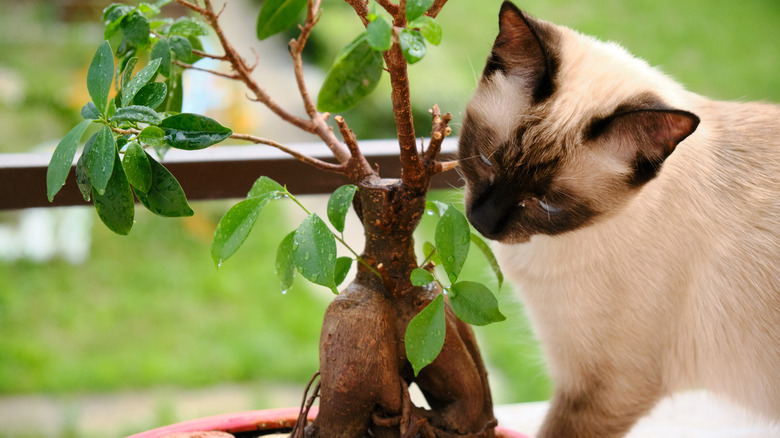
x=644, y=137
x=521, y=49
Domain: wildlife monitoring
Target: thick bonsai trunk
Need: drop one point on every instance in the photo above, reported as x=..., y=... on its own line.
x=363, y=368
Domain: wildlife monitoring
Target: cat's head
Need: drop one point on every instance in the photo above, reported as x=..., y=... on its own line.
x=562, y=129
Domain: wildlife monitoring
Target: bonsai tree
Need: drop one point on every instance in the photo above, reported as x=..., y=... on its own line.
x=404, y=318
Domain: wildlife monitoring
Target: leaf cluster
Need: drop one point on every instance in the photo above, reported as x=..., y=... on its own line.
x=133, y=111
x=310, y=250
x=472, y=302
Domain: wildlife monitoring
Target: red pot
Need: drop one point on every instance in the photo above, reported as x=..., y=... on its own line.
x=255, y=420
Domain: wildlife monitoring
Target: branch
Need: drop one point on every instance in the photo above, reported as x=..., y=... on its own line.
x=203, y=54
x=361, y=168
x=296, y=51
x=233, y=75
x=319, y=164
x=391, y=8
x=361, y=7
x=443, y=166
x=439, y=131
x=413, y=173
x=436, y=8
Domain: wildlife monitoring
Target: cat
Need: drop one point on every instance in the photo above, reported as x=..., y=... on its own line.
x=639, y=221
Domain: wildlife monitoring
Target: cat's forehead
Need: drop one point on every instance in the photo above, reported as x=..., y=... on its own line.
x=592, y=80
x=596, y=77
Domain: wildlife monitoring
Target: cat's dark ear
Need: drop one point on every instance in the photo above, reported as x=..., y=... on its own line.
x=644, y=137
x=522, y=48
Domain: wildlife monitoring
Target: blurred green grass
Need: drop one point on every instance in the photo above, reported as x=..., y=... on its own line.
x=150, y=309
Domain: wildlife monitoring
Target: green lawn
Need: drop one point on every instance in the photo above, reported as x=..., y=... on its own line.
x=150, y=309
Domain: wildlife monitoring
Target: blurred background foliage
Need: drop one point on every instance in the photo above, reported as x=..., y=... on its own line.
x=151, y=310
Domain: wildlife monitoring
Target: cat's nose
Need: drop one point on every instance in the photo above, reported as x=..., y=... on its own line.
x=491, y=212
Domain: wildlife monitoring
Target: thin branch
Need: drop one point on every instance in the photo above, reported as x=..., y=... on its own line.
x=439, y=131
x=296, y=51
x=303, y=413
x=361, y=7
x=388, y=6
x=322, y=165
x=360, y=167
x=193, y=6
x=436, y=8
x=203, y=54
x=444, y=166
x=233, y=75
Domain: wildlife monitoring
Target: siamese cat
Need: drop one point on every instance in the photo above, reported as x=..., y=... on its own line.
x=639, y=221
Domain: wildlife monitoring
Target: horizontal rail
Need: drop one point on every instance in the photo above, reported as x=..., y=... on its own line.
x=220, y=172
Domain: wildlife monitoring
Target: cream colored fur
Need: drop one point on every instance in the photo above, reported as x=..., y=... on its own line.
x=681, y=287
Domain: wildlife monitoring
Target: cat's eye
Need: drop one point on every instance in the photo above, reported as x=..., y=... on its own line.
x=547, y=208
x=485, y=160
x=551, y=209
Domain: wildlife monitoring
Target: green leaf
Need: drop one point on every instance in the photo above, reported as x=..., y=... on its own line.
x=412, y=45
x=149, y=10
x=234, y=227
x=175, y=97
x=137, y=167
x=416, y=8
x=90, y=111
x=285, y=267
x=421, y=277
x=181, y=47
x=193, y=131
x=196, y=44
x=264, y=186
x=152, y=136
x=338, y=205
x=82, y=176
x=135, y=28
x=277, y=15
x=137, y=113
x=425, y=335
x=352, y=77
x=429, y=28
x=100, y=161
x=314, y=251
x=474, y=304
x=116, y=205
x=151, y=95
x=112, y=16
x=188, y=27
x=430, y=252
x=436, y=207
x=491, y=258
x=127, y=72
x=452, y=239
x=62, y=159
x=139, y=81
x=165, y=196
x=380, y=34
x=100, y=76
x=116, y=11
x=162, y=51
x=342, y=269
